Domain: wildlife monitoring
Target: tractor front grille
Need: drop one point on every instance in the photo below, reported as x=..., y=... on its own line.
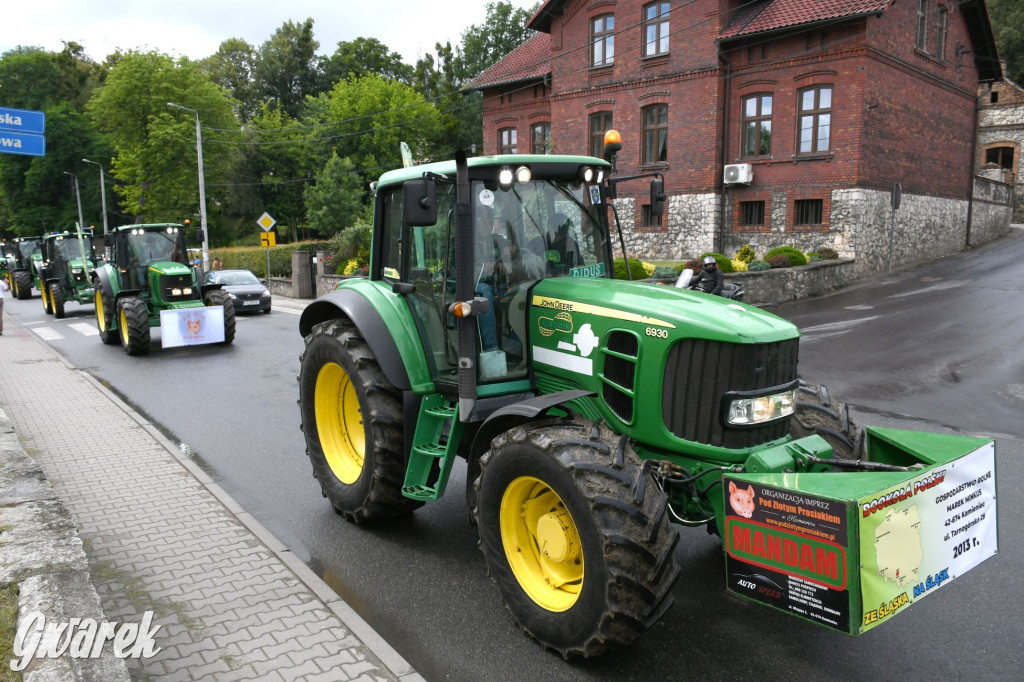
x=170, y=283
x=699, y=372
x=618, y=379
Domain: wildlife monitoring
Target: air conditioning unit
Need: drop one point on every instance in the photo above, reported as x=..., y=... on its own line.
x=739, y=173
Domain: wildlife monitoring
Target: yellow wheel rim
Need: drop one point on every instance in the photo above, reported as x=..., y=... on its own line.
x=339, y=422
x=541, y=543
x=42, y=295
x=124, y=327
x=101, y=317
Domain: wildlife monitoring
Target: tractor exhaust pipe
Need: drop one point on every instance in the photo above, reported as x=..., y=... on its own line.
x=464, y=289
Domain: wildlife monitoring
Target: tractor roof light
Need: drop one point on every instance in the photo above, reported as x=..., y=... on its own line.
x=586, y=174
x=523, y=175
x=505, y=177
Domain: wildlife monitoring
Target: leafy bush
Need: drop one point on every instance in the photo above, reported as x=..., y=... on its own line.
x=826, y=253
x=745, y=255
x=779, y=261
x=692, y=264
x=648, y=267
x=795, y=255
x=724, y=263
x=758, y=265
x=739, y=265
x=255, y=257
x=350, y=244
x=636, y=269
x=813, y=258
x=664, y=272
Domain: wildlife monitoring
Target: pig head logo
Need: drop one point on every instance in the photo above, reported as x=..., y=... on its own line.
x=741, y=500
x=193, y=324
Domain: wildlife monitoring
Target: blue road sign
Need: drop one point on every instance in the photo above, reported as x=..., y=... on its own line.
x=22, y=143
x=22, y=120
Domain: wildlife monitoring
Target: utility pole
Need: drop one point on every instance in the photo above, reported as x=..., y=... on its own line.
x=202, y=186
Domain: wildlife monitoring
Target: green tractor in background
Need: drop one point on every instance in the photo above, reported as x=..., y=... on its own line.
x=150, y=282
x=66, y=272
x=24, y=258
x=596, y=416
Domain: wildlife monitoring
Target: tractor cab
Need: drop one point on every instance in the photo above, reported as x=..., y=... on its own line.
x=64, y=252
x=24, y=260
x=146, y=253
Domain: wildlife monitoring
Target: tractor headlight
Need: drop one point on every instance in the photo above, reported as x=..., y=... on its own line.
x=187, y=291
x=754, y=410
x=76, y=271
x=175, y=292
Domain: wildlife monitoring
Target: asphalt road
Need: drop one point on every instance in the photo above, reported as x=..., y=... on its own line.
x=937, y=348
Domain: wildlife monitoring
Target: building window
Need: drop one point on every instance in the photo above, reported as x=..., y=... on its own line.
x=599, y=124
x=807, y=213
x=507, y=141
x=757, y=125
x=1000, y=156
x=648, y=219
x=602, y=37
x=815, y=119
x=540, y=138
x=656, y=29
x=752, y=213
x=940, y=34
x=922, y=25
x=655, y=134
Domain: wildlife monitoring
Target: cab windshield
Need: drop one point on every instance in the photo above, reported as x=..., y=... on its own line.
x=67, y=249
x=147, y=247
x=27, y=248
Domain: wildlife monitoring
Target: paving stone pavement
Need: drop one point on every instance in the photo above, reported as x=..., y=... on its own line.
x=161, y=536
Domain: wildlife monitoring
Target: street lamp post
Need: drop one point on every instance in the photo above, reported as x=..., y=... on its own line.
x=202, y=186
x=103, y=197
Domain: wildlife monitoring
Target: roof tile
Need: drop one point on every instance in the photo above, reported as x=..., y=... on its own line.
x=529, y=61
x=771, y=15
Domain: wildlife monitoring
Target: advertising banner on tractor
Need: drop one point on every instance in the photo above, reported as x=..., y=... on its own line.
x=191, y=326
x=789, y=550
x=920, y=534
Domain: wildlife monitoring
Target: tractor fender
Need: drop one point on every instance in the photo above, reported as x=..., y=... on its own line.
x=517, y=413
x=368, y=320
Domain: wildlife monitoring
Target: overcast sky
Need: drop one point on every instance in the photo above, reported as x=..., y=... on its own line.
x=196, y=28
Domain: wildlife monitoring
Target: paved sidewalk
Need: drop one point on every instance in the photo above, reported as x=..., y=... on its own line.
x=161, y=536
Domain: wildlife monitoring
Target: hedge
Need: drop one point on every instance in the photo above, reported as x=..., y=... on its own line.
x=255, y=257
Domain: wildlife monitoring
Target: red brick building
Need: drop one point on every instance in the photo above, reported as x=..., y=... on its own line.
x=773, y=121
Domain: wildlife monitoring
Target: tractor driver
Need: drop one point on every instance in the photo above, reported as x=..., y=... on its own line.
x=490, y=258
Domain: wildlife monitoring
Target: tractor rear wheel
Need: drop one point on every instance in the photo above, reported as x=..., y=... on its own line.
x=22, y=284
x=133, y=322
x=352, y=422
x=223, y=299
x=105, y=315
x=576, y=536
x=818, y=413
x=57, y=300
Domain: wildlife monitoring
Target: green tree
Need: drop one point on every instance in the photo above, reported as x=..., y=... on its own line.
x=277, y=163
x=337, y=199
x=155, y=145
x=233, y=67
x=1008, y=25
x=365, y=56
x=503, y=30
x=287, y=67
x=29, y=79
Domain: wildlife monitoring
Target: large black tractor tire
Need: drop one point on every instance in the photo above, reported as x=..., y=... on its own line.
x=133, y=325
x=352, y=422
x=23, y=284
x=57, y=300
x=223, y=299
x=105, y=312
x=576, y=536
x=819, y=413
x=44, y=293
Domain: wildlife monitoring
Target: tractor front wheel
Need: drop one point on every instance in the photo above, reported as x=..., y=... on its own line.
x=57, y=300
x=45, y=295
x=105, y=315
x=818, y=413
x=223, y=299
x=576, y=536
x=22, y=284
x=352, y=422
x=133, y=323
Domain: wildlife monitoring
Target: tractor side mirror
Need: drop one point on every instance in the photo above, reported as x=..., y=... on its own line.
x=657, y=196
x=419, y=203
x=199, y=234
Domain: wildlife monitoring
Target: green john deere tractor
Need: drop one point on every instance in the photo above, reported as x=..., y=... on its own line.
x=24, y=259
x=149, y=282
x=68, y=261
x=597, y=416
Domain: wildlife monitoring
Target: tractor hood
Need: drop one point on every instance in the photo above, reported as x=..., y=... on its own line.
x=76, y=264
x=687, y=312
x=169, y=267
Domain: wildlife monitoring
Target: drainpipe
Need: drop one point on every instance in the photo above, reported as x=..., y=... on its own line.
x=970, y=179
x=720, y=238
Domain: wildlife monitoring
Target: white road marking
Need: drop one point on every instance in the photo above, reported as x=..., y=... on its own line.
x=48, y=334
x=85, y=329
x=859, y=307
x=823, y=331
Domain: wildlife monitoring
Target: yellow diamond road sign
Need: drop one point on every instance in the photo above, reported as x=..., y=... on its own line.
x=266, y=222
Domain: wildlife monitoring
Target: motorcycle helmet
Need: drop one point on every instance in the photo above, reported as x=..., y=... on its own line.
x=709, y=262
